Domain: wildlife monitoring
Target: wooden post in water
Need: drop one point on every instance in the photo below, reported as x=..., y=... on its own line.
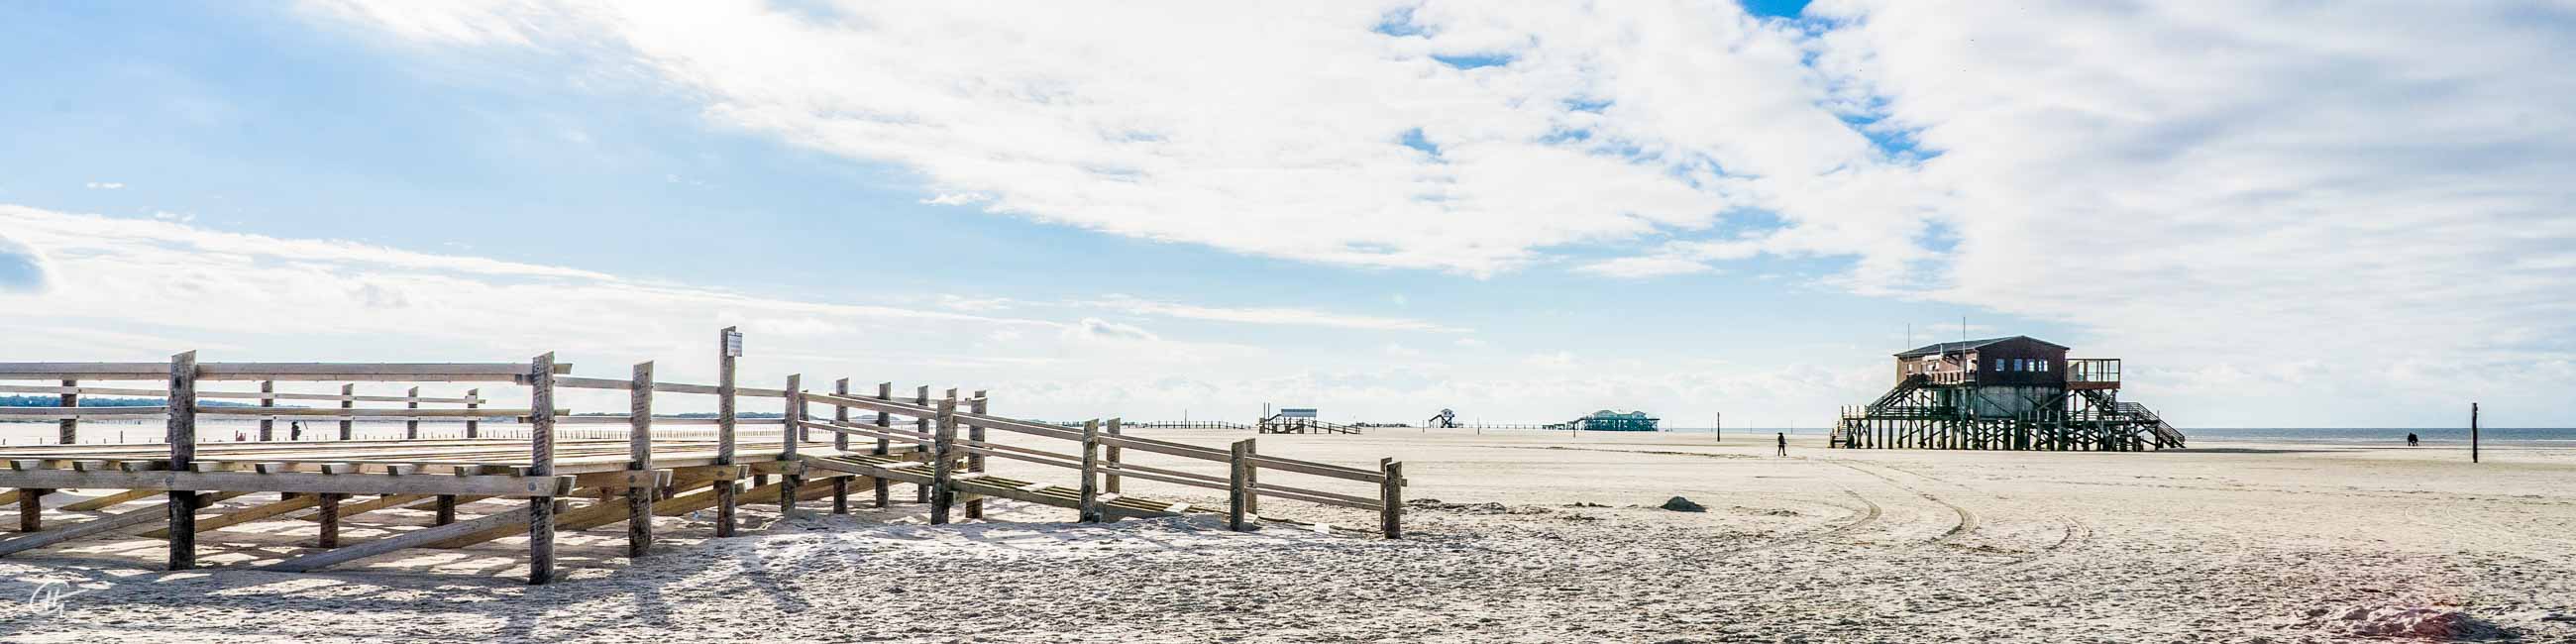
x=347, y=391
x=975, y=461
x=2473, y=432
x=1238, y=486
x=183, y=456
x=67, y=431
x=541, y=462
x=1111, y=484
x=726, y=489
x=885, y=391
x=639, y=454
x=791, y=433
x=841, y=444
x=1090, y=508
x=942, y=468
x=1390, y=493
x=473, y=400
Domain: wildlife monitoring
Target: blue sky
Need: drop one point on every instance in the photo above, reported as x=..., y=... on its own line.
x=1764, y=221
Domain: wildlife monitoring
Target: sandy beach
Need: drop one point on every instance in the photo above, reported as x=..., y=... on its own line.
x=1524, y=537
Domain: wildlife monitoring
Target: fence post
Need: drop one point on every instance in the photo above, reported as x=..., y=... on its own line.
x=1251, y=477
x=1238, y=485
x=1090, y=509
x=267, y=425
x=347, y=429
x=1112, y=483
x=31, y=510
x=885, y=391
x=639, y=448
x=921, y=397
x=541, y=462
x=975, y=461
x=68, y=430
x=791, y=433
x=941, y=464
x=329, y=516
x=841, y=443
x=727, y=489
x=1390, y=495
x=411, y=428
x=183, y=453
x=473, y=400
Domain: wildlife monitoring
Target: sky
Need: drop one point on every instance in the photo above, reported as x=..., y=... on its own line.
x=2278, y=213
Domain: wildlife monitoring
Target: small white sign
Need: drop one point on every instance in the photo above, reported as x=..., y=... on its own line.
x=733, y=344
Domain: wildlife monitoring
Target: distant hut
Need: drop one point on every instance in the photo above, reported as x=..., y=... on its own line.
x=1612, y=421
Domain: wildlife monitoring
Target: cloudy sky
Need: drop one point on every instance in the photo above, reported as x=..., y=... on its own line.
x=2280, y=213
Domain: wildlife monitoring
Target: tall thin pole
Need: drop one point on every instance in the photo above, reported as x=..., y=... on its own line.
x=2473, y=432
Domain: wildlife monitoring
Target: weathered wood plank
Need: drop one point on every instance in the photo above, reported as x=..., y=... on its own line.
x=481, y=485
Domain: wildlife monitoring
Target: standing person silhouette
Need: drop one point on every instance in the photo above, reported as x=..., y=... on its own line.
x=1784, y=443
x=2410, y=439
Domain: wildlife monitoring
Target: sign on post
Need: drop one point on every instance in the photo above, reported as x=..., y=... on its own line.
x=732, y=343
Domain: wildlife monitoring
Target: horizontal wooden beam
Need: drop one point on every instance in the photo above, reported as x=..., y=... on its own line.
x=509, y=486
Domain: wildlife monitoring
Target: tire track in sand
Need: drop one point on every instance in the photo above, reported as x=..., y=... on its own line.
x=1967, y=519
x=1869, y=513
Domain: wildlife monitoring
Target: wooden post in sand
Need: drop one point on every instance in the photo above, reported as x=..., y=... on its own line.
x=639, y=454
x=1090, y=488
x=1390, y=493
x=183, y=455
x=1251, y=478
x=411, y=428
x=267, y=425
x=473, y=399
x=2473, y=432
x=1111, y=483
x=791, y=433
x=921, y=398
x=942, y=466
x=67, y=431
x=1238, y=486
x=541, y=462
x=841, y=443
x=728, y=346
x=885, y=391
x=348, y=400
x=974, y=460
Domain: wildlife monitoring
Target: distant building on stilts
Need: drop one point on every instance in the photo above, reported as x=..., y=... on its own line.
x=2015, y=393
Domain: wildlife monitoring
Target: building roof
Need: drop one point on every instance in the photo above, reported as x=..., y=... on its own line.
x=1970, y=345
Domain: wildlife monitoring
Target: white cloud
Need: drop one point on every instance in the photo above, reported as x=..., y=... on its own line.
x=1276, y=130
x=1290, y=316
x=103, y=185
x=2248, y=183
x=1646, y=266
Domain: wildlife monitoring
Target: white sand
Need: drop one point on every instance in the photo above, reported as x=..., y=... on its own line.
x=2225, y=542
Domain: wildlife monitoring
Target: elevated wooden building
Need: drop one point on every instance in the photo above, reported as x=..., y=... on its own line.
x=2013, y=393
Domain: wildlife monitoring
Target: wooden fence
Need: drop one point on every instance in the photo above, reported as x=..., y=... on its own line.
x=664, y=466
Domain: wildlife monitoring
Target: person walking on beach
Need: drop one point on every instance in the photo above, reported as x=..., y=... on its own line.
x=295, y=431
x=2410, y=439
x=1784, y=443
